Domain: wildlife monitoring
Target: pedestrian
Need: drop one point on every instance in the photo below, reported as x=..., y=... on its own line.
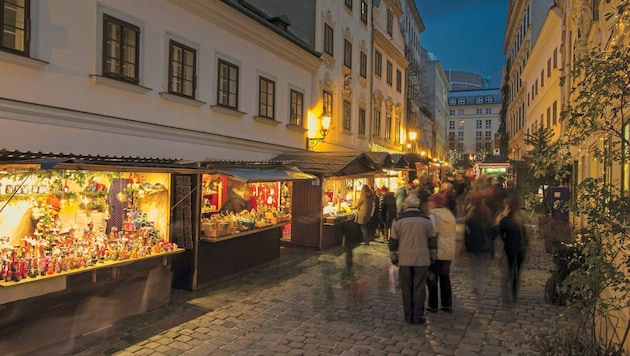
x=451, y=197
x=514, y=237
x=365, y=204
x=412, y=246
x=478, y=241
x=388, y=211
x=401, y=194
x=445, y=227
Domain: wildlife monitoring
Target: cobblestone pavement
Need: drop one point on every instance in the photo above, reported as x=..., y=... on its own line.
x=308, y=303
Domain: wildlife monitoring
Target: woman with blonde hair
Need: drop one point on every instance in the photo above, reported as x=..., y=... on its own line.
x=365, y=206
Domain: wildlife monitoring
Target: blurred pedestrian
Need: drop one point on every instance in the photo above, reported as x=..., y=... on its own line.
x=387, y=211
x=412, y=246
x=445, y=227
x=514, y=237
x=478, y=240
x=400, y=193
x=365, y=204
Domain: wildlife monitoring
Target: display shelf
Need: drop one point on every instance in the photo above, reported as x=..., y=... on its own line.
x=242, y=233
x=97, y=266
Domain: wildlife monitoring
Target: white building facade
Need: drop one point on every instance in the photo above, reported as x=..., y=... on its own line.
x=187, y=79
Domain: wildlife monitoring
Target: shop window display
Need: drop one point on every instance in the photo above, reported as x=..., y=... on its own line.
x=242, y=206
x=62, y=221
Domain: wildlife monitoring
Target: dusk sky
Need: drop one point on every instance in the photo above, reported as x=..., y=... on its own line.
x=466, y=35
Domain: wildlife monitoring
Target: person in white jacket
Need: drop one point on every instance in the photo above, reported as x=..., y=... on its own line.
x=445, y=225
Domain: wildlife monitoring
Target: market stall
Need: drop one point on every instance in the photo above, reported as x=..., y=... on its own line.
x=390, y=168
x=74, y=228
x=323, y=215
x=245, y=210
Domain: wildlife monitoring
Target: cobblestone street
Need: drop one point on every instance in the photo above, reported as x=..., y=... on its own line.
x=307, y=303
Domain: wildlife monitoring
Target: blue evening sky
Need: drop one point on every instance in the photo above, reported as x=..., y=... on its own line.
x=466, y=35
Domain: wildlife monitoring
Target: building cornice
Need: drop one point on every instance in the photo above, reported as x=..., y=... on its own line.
x=383, y=42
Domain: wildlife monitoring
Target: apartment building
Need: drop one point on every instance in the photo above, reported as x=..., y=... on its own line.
x=473, y=120
x=187, y=79
x=435, y=88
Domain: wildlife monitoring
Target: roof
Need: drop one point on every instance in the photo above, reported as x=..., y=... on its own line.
x=381, y=159
x=258, y=171
x=330, y=164
x=496, y=159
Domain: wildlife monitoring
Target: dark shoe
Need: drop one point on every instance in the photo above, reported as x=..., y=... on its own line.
x=420, y=321
x=447, y=309
x=433, y=310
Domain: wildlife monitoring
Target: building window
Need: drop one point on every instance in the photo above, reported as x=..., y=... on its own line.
x=363, y=65
x=488, y=100
x=451, y=112
x=227, y=91
x=347, y=116
x=488, y=135
x=478, y=124
x=460, y=112
x=361, y=121
x=555, y=58
x=388, y=126
x=460, y=124
x=14, y=21
x=327, y=99
x=349, y=4
x=398, y=81
x=266, y=97
x=451, y=124
x=397, y=127
x=120, y=50
x=460, y=146
x=548, y=117
x=377, y=123
x=328, y=40
x=182, y=70
x=347, y=54
x=451, y=136
x=488, y=124
x=390, y=72
x=452, y=101
x=555, y=112
x=390, y=22
x=297, y=108
x=479, y=100
x=378, y=63
x=542, y=78
x=364, y=11
x=479, y=111
x=478, y=135
x=461, y=101
x=548, y=67
x=460, y=135
x=488, y=111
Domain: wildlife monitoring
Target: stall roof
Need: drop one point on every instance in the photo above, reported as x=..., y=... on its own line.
x=382, y=160
x=400, y=161
x=329, y=164
x=49, y=160
x=258, y=171
x=496, y=159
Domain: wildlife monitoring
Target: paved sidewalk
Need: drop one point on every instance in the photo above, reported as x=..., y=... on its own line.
x=307, y=303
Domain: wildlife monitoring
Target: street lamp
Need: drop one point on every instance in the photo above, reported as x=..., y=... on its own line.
x=323, y=130
x=412, y=137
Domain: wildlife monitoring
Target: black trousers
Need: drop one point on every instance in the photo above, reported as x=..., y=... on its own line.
x=413, y=280
x=442, y=270
x=515, y=261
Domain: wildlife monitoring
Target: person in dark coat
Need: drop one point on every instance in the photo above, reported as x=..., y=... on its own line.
x=512, y=233
x=387, y=211
x=478, y=240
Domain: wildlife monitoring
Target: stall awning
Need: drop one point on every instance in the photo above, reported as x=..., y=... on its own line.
x=251, y=175
x=11, y=159
x=382, y=160
x=330, y=164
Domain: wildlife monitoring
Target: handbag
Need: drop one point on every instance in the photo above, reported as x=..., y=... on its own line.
x=394, y=278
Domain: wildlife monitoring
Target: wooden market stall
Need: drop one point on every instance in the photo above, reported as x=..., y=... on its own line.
x=85, y=241
x=245, y=210
x=323, y=215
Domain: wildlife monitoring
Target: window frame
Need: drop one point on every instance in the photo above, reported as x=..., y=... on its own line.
x=377, y=123
x=327, y=102
x=390, y=22
x=171, y=46
x=378, y=63
x=347, y=54
x=398, y=81
x=329, y=40
x=363, y=65
x=461, y=101
x=364, y=12
x=361, y=126
x=296, y=108
x=119, y=75
x=389, y=73
x=388, y=126
x=264, y=96
x=227, y=93
x=347, y=115
x=348, y=4
x=26, y=30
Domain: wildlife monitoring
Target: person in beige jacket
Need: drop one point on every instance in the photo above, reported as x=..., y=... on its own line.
x=445, y=227
x=412, y=247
